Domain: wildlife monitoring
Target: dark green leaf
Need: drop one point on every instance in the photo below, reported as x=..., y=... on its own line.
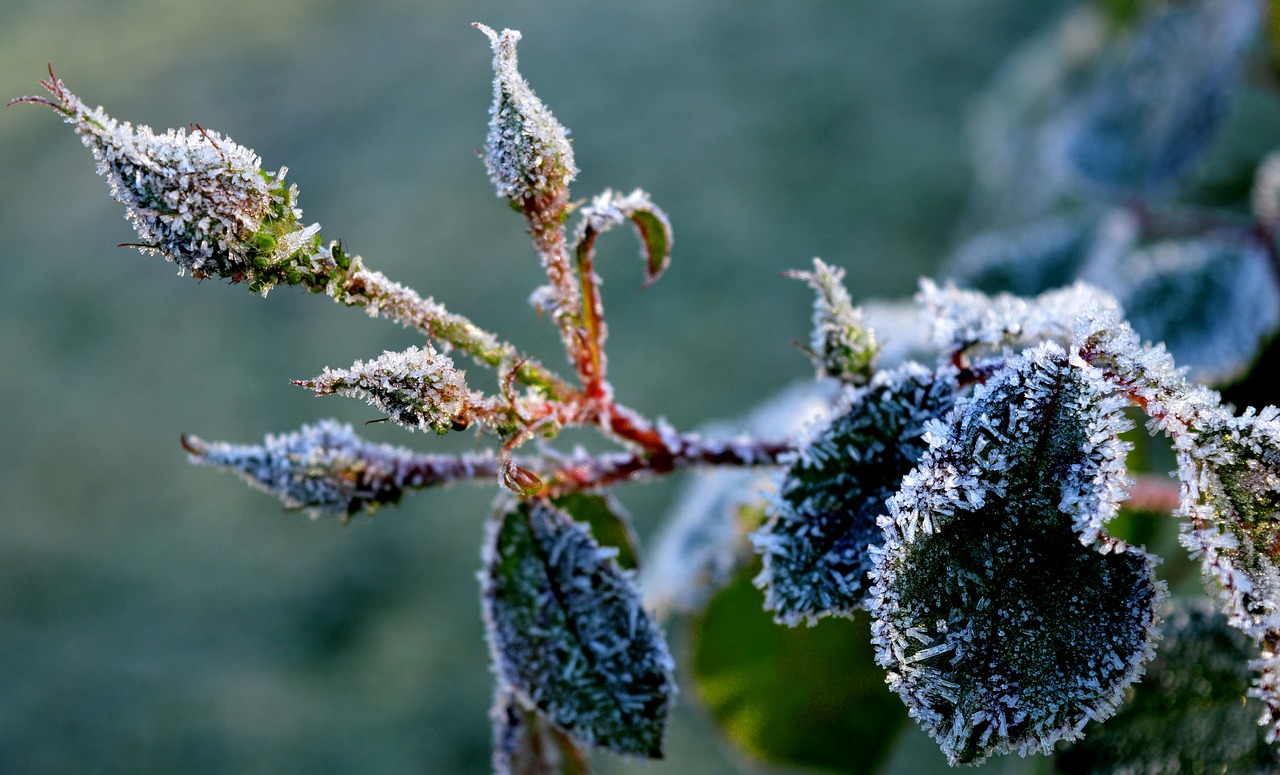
x=568, y=633
x=1006, y=618
x=816, y=545
x=526, y=744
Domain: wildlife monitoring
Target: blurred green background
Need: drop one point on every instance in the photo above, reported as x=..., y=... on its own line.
x=155, y=617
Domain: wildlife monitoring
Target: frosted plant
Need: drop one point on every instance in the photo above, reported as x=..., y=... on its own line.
x=961, y=490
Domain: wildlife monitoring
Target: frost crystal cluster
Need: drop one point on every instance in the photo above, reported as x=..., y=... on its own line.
x=954, y=481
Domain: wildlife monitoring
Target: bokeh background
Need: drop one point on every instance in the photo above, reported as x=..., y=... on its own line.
x=156, y=617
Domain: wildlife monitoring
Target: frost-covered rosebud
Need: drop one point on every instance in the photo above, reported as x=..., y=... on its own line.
x=528, y=151
x=199, y=199
x=420, y=389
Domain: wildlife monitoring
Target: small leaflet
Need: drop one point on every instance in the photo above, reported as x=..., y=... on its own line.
x=652, y=227
x=822, y=525
x=419, y=389
x=1214, y=302
x=525, y=744
x=1006, y=618
x=528, y=152
x=568, y=633
x=842, y=345
x=1189, y=713
x=324, y=468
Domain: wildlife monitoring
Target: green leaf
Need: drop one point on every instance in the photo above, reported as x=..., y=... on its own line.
x=568, y=633
x=609, y=522
x=652, y=226
x=808, y=696
x=526, y=744
x=1189, y=713
x=816, y=546
x=1006, y=618
x=1231, y=497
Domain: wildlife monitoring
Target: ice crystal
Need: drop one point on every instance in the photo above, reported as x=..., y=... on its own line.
x=324, y=468
x=842, y=346
x=197, y=198
x=419, y=389
x=1230, y=478
x=822, y=525
x=1000, y=325
x=1187, y=715
x=568, y=633
x=1007, y=620
x=610, y=209
x=528, y=152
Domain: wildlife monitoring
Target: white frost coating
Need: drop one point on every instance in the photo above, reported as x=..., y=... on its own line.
x=194, y=197
x=1000, y=620
x=1000, y=325
x=841, y=344
x=324, y=468
x=568, y=633
x=419, y=388
x=528, y=152
x=1265, y=196
x=824, y=519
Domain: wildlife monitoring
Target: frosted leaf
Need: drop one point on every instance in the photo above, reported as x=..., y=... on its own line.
x=418, y=388
x=1000, y=325
x=324, y=468
x=652, y=227
x=1188, y=714
x=1230, y=474
x=199, y=199
x=1006, y=618
x=526, y=744
x=822, y=525
x=1026, y=260
x=1213, y=302
x=842, y=345
x=568, y=633
x=1158, y=99
x=703, y=541
x=528, y=152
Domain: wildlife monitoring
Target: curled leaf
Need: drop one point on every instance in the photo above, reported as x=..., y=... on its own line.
x=652, y=226
x=1006, y=618
x=568, y=633
x=816, y=545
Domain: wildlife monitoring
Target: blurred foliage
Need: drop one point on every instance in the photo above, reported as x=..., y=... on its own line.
x=811, y=696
